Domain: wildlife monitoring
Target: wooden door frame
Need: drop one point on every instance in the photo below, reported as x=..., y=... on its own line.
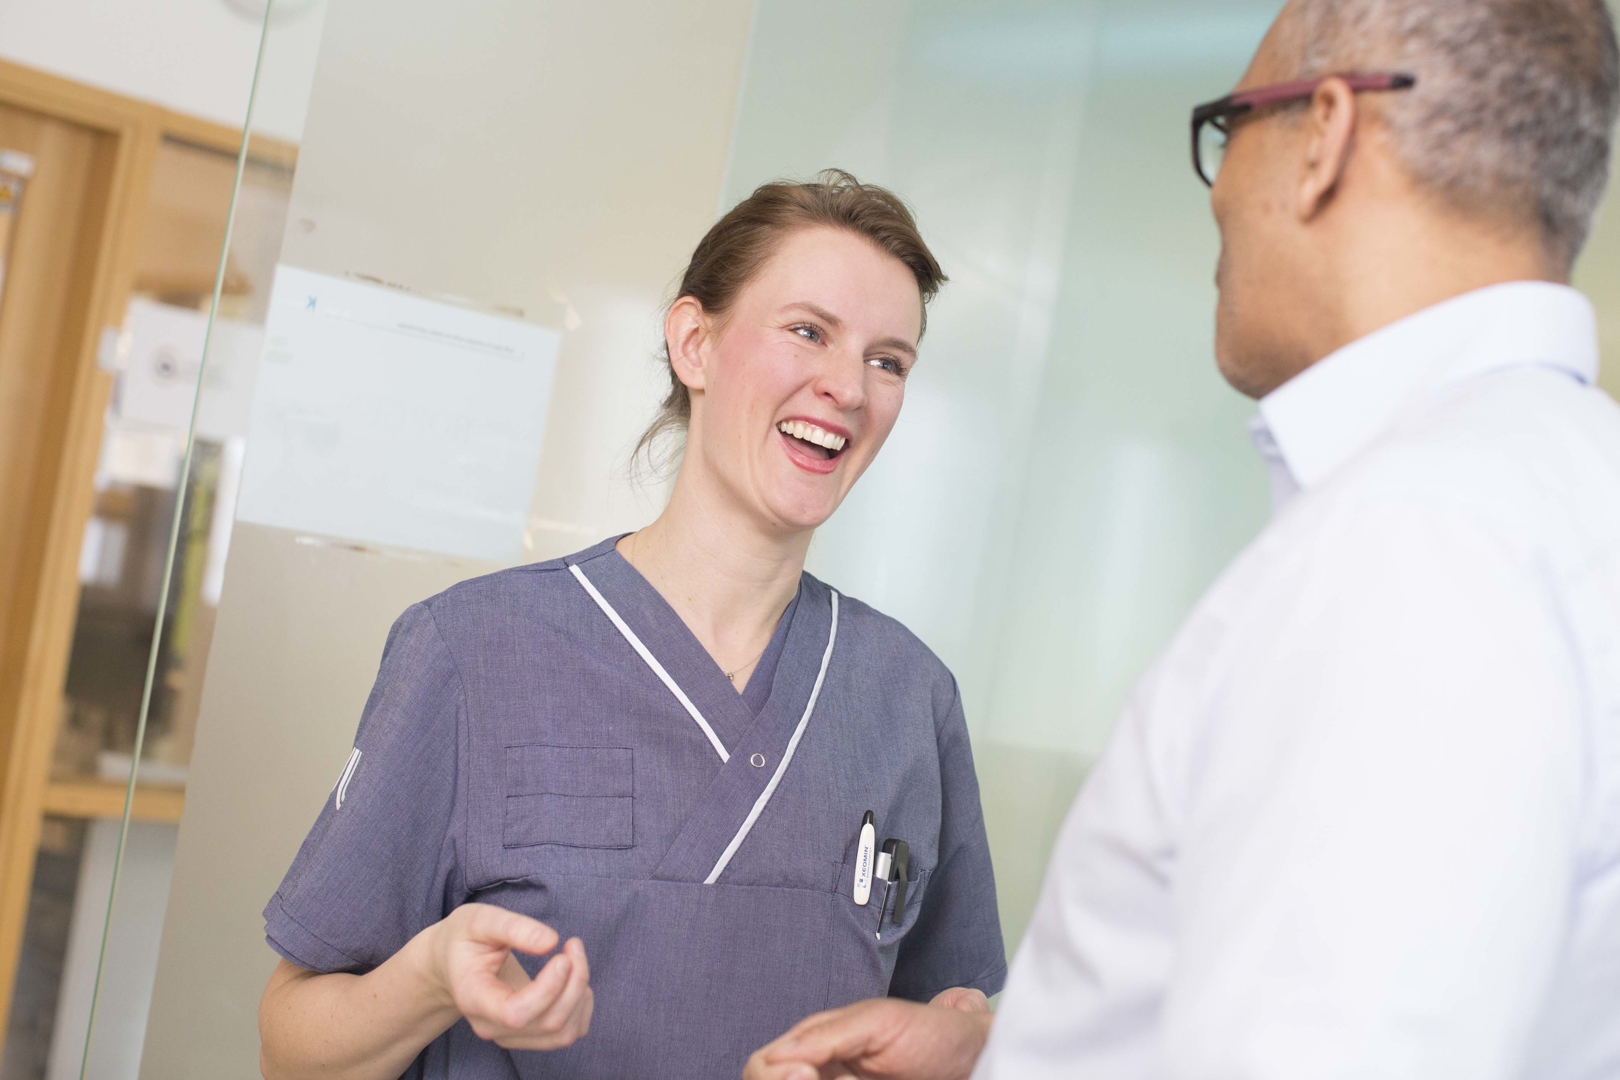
x=55, y=510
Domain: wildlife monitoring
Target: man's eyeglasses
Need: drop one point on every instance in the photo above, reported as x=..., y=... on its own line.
x=1212, y=123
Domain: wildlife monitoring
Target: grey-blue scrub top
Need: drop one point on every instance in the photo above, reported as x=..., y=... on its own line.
x=516, y=750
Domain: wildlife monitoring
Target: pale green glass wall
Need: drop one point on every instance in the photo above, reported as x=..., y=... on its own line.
x=1070, y=472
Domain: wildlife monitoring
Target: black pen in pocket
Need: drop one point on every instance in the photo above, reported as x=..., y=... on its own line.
x=894, y=867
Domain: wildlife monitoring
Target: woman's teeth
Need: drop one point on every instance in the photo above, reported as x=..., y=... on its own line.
x=810, y=433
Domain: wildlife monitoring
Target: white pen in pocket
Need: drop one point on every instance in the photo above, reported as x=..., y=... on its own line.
x=863, y=859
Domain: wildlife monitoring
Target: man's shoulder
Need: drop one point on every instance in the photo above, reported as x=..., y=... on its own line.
x=1537, y=416
x=1529, y=454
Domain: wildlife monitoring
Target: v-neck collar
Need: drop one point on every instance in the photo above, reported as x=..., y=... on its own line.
x=742, y=782
x=761, y=680
x=667, y=637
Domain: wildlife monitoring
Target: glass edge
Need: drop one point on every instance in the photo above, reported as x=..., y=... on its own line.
x=176, y=519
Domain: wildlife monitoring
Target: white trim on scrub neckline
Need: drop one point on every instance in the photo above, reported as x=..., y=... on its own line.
x=787, y=756
x=692, y=710
x=652, y=662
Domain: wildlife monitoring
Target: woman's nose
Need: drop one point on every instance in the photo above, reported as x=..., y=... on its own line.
x=843, y=380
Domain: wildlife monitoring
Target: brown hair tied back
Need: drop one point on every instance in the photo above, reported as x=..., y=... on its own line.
x=740, y=243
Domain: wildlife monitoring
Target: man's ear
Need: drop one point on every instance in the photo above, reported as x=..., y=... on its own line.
x=1330, y=129
x=686, y=333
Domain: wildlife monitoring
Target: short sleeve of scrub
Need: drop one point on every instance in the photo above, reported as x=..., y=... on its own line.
x=382, y=861
x=957, y=938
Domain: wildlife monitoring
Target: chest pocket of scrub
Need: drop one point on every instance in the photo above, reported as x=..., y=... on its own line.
x=863, y=963
x=573, y=796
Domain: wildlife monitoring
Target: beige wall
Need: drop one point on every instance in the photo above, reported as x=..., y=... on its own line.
x=193, y=56
x=1598, y=275
x=557, y=158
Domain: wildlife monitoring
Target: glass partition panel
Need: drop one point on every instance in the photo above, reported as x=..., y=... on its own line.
x=109, y=707
x=512, y=179
x=141, y=626
x=1069, y=471
x=154, y=554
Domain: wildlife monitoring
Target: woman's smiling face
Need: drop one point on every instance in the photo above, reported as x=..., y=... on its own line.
x=795, y=390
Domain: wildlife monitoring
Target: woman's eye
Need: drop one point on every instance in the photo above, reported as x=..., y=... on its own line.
x=809, y=333
x=887, y=363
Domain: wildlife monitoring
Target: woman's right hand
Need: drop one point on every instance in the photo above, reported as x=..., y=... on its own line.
x=471, y=962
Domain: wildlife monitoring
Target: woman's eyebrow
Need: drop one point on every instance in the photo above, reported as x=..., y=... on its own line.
x=833, y=321
x=818, y=311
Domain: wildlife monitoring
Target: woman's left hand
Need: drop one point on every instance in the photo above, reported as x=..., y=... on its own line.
x=882, y=1039
x=962, y=999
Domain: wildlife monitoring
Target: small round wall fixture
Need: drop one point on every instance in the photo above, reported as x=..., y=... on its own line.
x=282, y=11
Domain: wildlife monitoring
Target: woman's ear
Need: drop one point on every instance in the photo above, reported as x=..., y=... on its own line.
x=686, y=334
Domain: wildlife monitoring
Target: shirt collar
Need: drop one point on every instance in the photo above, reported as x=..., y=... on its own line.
x=1329, y=412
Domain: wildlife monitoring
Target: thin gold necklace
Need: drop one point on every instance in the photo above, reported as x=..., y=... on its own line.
x=732, y=675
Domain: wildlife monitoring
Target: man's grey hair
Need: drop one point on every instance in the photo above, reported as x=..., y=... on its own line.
x=1514, y=109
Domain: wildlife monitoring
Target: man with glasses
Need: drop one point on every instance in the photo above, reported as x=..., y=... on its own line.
x=1362, y=818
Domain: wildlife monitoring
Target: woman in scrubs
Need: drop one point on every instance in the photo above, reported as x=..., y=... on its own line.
x=662, y=748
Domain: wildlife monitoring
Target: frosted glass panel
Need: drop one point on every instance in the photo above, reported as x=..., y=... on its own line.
x=1069, y=472
x=515, y=176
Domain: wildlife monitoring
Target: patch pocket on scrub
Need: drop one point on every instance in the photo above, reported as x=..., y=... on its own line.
x=575, y=796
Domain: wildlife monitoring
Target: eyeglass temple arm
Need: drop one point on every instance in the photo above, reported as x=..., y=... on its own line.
x=1290, y=91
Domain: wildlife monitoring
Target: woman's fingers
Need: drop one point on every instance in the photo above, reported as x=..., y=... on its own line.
x=527, y=1004
x=483, y=998
x=568, y=1017
x=562, y=1011
x=762, y=1067
x=494, y=992
x=962, y=999
x=489, y=986
x=826, y=1037
x=576, y=949
x=759, y=1069
x=491, y=925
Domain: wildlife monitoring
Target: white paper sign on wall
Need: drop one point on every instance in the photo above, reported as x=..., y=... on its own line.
x=383, y=417
x=163, y=348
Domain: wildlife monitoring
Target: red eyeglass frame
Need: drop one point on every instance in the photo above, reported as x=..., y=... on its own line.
x=1222, y=110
